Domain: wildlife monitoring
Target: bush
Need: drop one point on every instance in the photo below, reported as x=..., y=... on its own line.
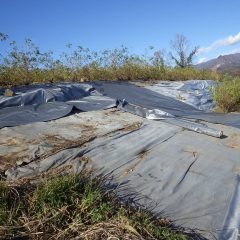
x=27, y=65
x=227, y=94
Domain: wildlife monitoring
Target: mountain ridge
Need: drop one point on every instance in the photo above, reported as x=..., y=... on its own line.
x=229, y=63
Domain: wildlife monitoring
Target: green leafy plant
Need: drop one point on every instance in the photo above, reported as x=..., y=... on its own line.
x=227, y=94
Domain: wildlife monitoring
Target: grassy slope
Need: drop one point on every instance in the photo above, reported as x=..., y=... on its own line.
x=66, y=207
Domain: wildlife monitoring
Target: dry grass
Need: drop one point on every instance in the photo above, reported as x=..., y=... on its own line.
x=76, y=207
x=9, y=77
x=26, y=64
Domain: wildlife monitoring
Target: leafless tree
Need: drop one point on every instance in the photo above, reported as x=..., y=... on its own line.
x=182, y=53
x=158, y=59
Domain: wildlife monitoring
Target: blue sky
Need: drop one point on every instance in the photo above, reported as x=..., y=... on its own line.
x=214, y=25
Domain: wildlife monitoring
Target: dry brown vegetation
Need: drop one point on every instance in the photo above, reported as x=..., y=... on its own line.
x=28, y=64
x=77, y=207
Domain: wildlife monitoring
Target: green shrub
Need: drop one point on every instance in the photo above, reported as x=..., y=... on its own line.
x=227, y=94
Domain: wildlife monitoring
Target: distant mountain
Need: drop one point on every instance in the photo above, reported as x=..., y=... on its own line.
x=224, y=63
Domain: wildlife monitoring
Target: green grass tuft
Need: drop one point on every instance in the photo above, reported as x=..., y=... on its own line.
x=67, y=206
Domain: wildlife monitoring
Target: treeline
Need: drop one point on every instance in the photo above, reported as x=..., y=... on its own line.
x=28, y=64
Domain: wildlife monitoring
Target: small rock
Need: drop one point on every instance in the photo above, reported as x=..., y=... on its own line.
x=83, y=79
x=8, y=93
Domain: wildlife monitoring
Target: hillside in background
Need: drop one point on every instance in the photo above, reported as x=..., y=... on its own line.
x=224, y=63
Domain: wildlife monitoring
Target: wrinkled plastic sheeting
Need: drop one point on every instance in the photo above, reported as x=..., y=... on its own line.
x=194, y=182
x=156, y=114
x=39, y=94
x=96, y=96
x=93, y=103
x=147, y=99
x=231, y=227
x=14, y=116
x=38, y=103
x=194, y=92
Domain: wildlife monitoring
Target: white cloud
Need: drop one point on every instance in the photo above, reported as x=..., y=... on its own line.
x=201, y=60
x=230, y=40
